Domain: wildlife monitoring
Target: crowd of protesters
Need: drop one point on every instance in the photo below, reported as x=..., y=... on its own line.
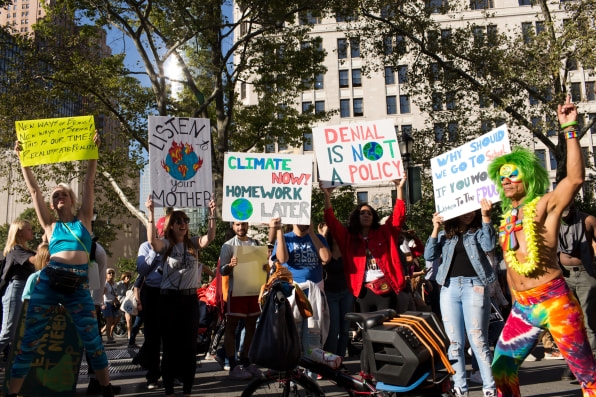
x=365, y=264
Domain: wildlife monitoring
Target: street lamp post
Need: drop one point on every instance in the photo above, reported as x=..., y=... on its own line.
x=405, y=148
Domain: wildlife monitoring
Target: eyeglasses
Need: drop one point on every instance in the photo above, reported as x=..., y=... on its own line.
x=182, y=221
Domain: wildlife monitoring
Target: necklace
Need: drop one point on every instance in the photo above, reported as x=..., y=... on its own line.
x=511, y=224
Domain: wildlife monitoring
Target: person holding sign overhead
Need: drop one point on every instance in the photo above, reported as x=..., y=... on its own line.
x=64, y=279
x=372, y=264
x=529, y=235
x=465, y=274
x=179, y=303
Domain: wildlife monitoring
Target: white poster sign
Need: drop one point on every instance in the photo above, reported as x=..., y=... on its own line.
x=357, y=153
x=258, y=187
x=180, y=161
x=460, y=179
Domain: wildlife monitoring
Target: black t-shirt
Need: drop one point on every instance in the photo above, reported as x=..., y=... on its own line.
x=335, y=280
x=18, y=260
x=461, y=265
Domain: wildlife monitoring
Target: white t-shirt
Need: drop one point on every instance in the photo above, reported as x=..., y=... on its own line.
x=181, y=269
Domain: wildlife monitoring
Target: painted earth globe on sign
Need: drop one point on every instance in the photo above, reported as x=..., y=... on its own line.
x=241, y=209
x=372, y=151
x=181, y=163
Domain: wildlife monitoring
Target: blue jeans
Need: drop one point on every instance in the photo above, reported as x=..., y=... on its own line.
x=584, y=287
x=339, y=304
x=465, y=305
x=11, y=310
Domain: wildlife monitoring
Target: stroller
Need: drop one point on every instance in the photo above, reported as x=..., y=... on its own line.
x=208, y=315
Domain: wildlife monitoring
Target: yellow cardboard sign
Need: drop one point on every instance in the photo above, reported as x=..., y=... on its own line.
x=47, y=141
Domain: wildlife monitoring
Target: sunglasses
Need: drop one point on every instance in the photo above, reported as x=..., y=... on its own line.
x=365, y=212
x=111, y=273
x=182, y=221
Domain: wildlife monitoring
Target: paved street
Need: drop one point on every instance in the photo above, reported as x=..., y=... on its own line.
x=538, y=379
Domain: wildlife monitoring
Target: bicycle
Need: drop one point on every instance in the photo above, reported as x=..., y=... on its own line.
x=384, y=370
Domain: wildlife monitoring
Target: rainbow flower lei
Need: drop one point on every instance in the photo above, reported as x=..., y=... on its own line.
x=529, y=227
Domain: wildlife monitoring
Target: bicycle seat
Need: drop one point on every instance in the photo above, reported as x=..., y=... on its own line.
x=368, y=320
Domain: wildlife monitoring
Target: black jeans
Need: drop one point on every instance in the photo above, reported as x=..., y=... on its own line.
x=148, y=356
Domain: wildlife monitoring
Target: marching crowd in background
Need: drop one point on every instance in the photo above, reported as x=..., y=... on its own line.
x=495, y=304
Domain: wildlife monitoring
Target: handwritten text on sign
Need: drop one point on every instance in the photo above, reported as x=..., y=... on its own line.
x=258, y=187
x=47, y=141
x=359, y=153
x=180, y=161
x=460, y=179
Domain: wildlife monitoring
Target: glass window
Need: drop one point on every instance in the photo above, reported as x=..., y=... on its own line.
x=307, y=142
x=358, y=107
x=306, y=107
x=592, y=116
x=524, y=2
x=344, y=108
x=356, y=78
x=400, y=44
x=270, y=148
x=355, y=48
x=576, y=92
x=590, y=91
x=391, y=104
x=344, y=79
x=404, y=104
x=439, y=129
x=481, y=4
x=533, y=100
x=406, y=129
x=434, y=6
x=402, y=74
x=342, y=48
x=319, y=107
x=243, y=90
x=362, y=197
x=437, y=101
x=319, y=81
x=539, y=27
x=450, y=100
x=541, y=155
x=553, y=161
x=388, y=45
x=452, y=128
x=551, y=126
x=389, y=75
x=571, y=64
x=527, y=31
x=281, y=144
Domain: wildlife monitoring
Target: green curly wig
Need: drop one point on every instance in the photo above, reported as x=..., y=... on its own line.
x=535, y=177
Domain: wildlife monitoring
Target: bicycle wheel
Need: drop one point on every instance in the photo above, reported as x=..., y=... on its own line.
x=120, y=329
x=289, y=384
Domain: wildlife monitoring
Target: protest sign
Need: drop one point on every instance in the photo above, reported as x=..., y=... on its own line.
x=258, y=187
x=358, y=153
x=47, y=141
x=460, y=179
x=56, y=359
x=180, y=161
x=251, y=269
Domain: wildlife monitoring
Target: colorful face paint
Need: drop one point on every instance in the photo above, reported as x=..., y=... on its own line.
x=511, y=172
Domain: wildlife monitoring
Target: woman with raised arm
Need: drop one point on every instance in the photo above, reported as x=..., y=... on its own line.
x=64, y=279
x=370, y=252
x=179, y=303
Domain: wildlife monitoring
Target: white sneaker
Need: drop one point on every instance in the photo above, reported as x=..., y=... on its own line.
x=458, y=393
x=554, y=355
x=531, y=357
x=475, y=377
x=238, y=373
x=489, y=393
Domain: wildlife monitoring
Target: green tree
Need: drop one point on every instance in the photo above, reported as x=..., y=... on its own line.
x=197, y=36
x=468, y=77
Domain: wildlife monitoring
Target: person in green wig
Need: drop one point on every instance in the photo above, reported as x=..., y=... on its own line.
x=529, y=238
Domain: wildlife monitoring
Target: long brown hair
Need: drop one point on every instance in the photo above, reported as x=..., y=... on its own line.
x=171, y=218
x=452, y=225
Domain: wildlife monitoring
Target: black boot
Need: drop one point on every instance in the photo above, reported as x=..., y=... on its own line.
x=107, y=391
x=567, y=375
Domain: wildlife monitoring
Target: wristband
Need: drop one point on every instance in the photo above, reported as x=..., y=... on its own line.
x=570, y=134
x=569, y=124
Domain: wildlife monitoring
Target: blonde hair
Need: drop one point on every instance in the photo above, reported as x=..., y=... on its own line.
x=71, y=193
x=14, y=238
x=42, y=257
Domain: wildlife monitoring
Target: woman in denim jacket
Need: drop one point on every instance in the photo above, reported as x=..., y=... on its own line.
x=465, y=273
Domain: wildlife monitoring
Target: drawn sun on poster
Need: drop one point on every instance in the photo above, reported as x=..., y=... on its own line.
x=181, y=163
